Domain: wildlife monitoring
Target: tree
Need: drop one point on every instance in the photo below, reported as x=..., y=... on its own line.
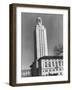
x=58, y=50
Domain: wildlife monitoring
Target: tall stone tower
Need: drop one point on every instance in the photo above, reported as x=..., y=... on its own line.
x=41, y=46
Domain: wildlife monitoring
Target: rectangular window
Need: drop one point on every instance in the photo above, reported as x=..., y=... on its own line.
x=45, y=64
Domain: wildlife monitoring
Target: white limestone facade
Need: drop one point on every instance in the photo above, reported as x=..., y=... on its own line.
x=41, y=41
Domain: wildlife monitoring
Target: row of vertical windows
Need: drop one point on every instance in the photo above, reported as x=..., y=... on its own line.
x=42, y=44
x=49, y=70
x=56, y=63
x=25, y=73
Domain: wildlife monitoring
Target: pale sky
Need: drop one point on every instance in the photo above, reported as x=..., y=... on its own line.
x=54, y=26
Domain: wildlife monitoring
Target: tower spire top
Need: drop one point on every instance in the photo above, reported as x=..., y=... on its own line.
x=39, y=20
